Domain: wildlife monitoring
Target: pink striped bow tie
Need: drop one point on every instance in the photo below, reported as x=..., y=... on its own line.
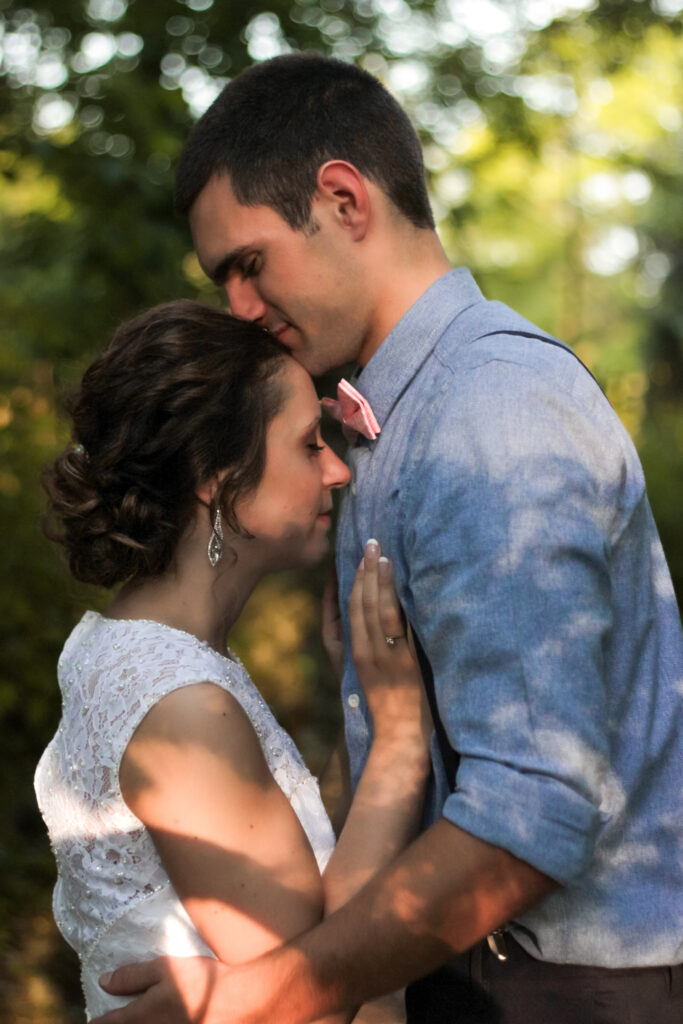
x=353, y=412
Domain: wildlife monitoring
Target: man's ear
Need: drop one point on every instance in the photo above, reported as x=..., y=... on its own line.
x=343, y=187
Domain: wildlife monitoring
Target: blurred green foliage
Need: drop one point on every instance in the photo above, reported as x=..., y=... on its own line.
x=552, y=134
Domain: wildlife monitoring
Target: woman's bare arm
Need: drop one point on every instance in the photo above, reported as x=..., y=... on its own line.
x=195, y=774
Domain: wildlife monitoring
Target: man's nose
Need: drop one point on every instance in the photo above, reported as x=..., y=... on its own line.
x=244, y=299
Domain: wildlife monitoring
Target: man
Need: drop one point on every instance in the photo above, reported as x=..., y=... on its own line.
x=513, y=506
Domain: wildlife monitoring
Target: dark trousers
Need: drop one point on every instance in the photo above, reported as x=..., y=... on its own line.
x=477, y=988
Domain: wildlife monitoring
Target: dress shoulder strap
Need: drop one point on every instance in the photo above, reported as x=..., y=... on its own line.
x=118, y=670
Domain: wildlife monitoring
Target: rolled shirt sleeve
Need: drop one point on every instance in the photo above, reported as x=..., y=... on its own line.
x=513, y=496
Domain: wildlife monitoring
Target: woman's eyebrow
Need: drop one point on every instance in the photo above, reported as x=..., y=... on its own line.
x=313, y=425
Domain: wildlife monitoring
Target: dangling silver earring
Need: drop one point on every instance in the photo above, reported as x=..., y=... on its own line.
x=215, y=549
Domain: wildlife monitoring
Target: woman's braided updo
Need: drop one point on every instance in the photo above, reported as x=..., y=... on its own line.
x=179, y=393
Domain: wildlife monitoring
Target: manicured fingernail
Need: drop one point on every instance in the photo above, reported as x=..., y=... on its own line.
x=105, y=978
x=384, y=567
x=371, y=547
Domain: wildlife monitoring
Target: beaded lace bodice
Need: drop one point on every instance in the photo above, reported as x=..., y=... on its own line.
x=113, y=901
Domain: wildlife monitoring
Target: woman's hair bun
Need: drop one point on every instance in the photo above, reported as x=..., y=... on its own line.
x=179, y=393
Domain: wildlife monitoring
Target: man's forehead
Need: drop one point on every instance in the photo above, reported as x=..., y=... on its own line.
x=221, y=227
x=217, y=210
x=216, y=200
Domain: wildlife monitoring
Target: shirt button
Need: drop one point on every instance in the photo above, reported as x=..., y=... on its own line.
x=353, y=700
x=353, y=487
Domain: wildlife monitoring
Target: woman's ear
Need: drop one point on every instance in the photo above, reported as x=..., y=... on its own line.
x=206, y=492
x=343, y=188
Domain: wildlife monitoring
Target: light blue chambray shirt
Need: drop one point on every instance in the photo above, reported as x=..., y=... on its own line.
x=513, y=505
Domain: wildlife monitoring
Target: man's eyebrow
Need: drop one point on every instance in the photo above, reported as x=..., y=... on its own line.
x=222, y=269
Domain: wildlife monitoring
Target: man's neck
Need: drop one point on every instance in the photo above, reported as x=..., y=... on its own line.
x=402, y=282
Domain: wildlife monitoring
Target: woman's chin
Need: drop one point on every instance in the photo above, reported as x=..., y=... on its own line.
x=316, y=555
x=317, y=552
x=305, y=557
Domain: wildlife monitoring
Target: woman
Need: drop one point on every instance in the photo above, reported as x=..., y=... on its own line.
x=181, y=815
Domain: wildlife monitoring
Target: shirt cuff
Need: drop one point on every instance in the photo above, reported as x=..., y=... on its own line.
x=538, y=819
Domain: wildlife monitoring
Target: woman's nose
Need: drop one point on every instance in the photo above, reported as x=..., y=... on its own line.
x=336, y=473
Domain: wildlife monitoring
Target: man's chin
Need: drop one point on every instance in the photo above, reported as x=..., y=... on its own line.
x=304, y=360
x=317, y=367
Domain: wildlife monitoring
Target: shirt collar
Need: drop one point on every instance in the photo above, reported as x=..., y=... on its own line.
x=411, y=341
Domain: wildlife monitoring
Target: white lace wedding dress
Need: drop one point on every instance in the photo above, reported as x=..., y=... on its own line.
x=113, y=901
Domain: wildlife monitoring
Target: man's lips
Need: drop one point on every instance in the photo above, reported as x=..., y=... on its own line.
x=280, y=331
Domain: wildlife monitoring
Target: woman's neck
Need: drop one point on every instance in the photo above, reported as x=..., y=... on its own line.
x=205, y=604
